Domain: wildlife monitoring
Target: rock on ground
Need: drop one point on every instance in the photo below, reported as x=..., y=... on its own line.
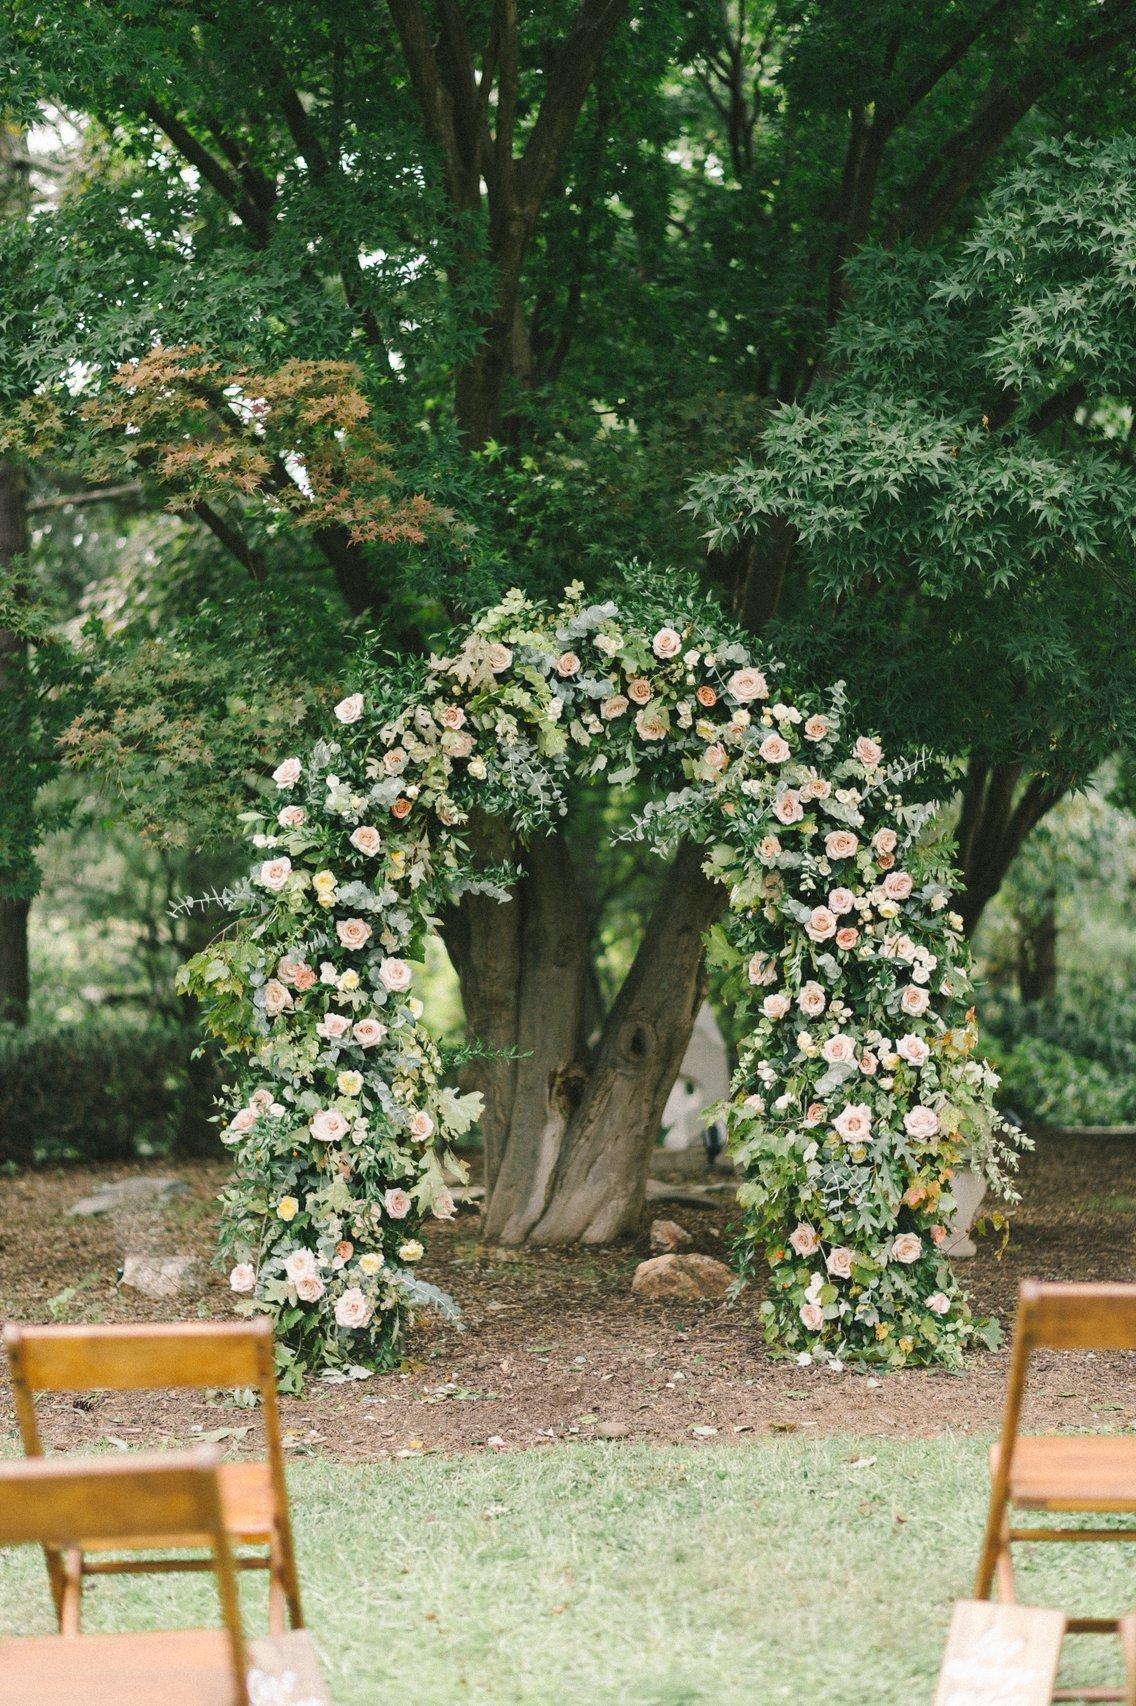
x=159, y=1277
x=667, y=1236
x=682, y=1276
x=126, y=1193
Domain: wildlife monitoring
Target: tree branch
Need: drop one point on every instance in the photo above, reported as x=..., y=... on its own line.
x=227, y=187
x=232, y=539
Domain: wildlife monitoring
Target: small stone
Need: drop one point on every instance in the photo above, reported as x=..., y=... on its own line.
x=125, y=1193
x=612, y=1430
x=667, y=1236
x=682, y=1276
x=159, y=1277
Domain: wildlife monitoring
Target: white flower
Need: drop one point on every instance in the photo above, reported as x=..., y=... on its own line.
x=352, y=1309
x=353, y=932
x=666, y=643
x=395, y=974
x=854, y=1122
x=349, y=710
x=274, y=873
x=242, y=1278
x=286, y=775
x=921, y=1122
x=328, y=1126
x=746, y=685
x=367, y=839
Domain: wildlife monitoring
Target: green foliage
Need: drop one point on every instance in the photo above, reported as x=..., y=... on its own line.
x=106, y=1089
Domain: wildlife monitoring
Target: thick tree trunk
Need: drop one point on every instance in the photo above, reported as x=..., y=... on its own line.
x=14, y=906
x=15, y=985
x=1037, y=952
x=599, y=1187
x=995, y=819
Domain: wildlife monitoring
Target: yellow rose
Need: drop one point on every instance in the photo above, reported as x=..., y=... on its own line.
x=350, y=1083
x=287, y=1208
x=411, y=1251
x=323, y=881
x=349, y=980
x=370, y=1263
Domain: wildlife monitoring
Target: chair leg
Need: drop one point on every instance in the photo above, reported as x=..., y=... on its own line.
x=277, y=1592
x=1004, y=1565
x=72, y=1599
x=284, y=1555
x=993, y=1541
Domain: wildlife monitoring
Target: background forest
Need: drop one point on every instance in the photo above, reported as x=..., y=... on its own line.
x=323, y=325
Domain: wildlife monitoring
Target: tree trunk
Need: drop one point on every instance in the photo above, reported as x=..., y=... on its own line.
x=995, y=819
x=14, y=904
x=1037, y=951
x=15, y=985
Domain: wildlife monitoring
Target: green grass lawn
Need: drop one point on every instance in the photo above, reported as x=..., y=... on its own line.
x=818, y=1571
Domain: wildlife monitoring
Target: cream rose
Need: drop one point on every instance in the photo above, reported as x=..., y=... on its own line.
x=310, y=1288
x=812, y=1317
x=666, y=643
x=804, y=1239
x=274, y=873
x=613, y=706
x=353, y=932
x=885, y=841
x=898, y=885
x=371, y=1263
x=939, y=1303
x=639, y=690
x=821, y=925
x=287, y=1208
x=498, y=657
x=328, y=1126
x=840, y=844
x=286, y=775
x=421, y=1125
x=912, y=1049
x=411, y=1251
x=869, y=752
x=839, y=1262
x=769, y=847
x=352, y=1309
x=815, y=728
x=812, y=999
x=243, y=1120
x=839, y=1050
x=854, y=1122
x=746, y=685
x=715, y=757
x=567, y=664
x=349, y=1083
x=291, y=817
x=395, y=975
x=774, y=749
x=451, y=716
x=333, y=1026
x=921, y=1122
x=443, y=1206
x=761, y=970
x=277, y=999
x=914, y=1000
x=300, y=1263
x=397, y=1204
x=775, y=1006
x=349, y=710
x=651, y=725
x=907, y=1248
x=787, y=808
x=367, y=839
x=841, y=901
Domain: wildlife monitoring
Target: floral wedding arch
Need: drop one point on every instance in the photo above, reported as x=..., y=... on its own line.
x=857, y=1092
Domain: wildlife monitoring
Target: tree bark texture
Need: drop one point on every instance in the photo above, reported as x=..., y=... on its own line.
x=1000, y=805
x=14, y=978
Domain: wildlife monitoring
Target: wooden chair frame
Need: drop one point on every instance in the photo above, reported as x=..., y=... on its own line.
x=188, y=1355
x=1054, y=1315
x=65, y=1503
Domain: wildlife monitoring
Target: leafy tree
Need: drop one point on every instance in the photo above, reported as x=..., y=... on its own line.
x=564, y=255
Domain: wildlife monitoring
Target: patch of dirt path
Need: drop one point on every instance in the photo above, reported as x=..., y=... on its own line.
x=555, y=1346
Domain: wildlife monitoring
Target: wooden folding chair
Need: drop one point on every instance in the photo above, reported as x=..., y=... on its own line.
x=1000, y=1655
x=1084, y=1473
x=68, y=1505
x=254, y=1496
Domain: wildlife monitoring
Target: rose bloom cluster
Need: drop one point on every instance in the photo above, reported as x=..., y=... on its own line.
x=857, y=1092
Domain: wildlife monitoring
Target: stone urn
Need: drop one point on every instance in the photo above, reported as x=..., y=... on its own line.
x=969, y=1191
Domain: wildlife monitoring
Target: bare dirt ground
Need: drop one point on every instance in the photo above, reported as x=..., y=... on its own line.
x=556, y=1347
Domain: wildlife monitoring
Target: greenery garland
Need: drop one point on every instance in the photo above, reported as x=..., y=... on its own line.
x=857, y=1092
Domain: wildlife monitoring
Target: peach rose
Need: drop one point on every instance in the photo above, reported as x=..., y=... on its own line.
x=401, y=808
x=286, y=775
x=839, y=1050
x=748, y=684
x=368, y=1032
x=774, y=749
x=885, y=841
x=291, y=817
x=352, y=1309
x=274, y=873
x=839, y=1262
x=914, y=1195
x=812, y=999
x=242, y=1278
x=854, y=1122
x=304, y=978
x=812, y=1317
x=328, y=1126
x=769, y=847
x=666, y=643
x=277, y=999
x=353, y=932
x=939, y=1303
x=841, y=901
x=498, y=657
x=815, y=728
x=939, y=1235
x=451, y=716
x=349, y=710
x=567, y=664
x=309, y=1288
x=650, y=725
x=775, y=1006
x=613, y=706
x=716, y=758
x=912, y=1049
x=821, y=925
x=914, y=1000
x=840, y=844
x=814, y=1113
x=885, y=861
x=333, y=1026
x=787, y=807
x=869, y=752
x=367, y=839
x=898, y=885
x=921, y=1122
x=639, y=689
x=421, y=1125
x=907, y=1248
x=868, y=1063
x=395, y=975
x=706, y=696
x=847, y=937
x=397, y=1204
x=761, y=970
x=443, y=1206
x=804, y=1239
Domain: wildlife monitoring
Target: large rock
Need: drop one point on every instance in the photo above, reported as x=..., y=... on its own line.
x=159, y=1277
x=667, y=1236
x=127, y=1193
x=681, y=1277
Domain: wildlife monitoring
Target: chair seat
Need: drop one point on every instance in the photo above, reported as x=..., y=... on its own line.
x=1071, y=1472
x=247, y=1505
x=176, y=1668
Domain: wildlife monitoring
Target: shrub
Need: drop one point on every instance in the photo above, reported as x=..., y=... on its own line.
x=104, y=1089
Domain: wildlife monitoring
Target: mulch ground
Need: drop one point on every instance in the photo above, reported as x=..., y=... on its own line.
x=556, y=1347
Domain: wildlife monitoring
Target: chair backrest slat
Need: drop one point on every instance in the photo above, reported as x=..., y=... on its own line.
x=64, y=1502
x=1063, y=1315
x=136, y=1358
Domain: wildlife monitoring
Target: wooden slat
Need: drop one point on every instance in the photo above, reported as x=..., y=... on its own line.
x=1000, y=1655
x=1073, y=1316
x=64, y=1503
x=1073, y=1472
x=137, y=1358
x=173, y=1668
